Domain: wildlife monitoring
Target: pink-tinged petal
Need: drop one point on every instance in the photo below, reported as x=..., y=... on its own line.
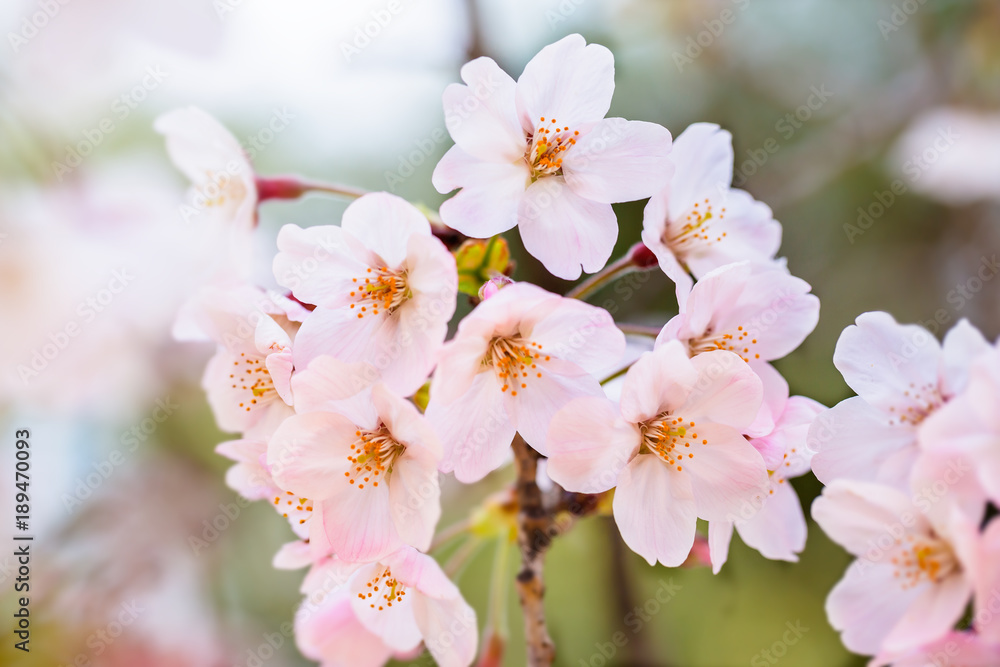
x=652, y=237
x=568, y=81
x=619, y=160
x=931, y=615
x=958, y=430
x=293, y=556
x=201, y=146
x=853, y=440
x=720, y=534
x=358, y=521
x=474, y=429
x=415, y=498
x=655, y=511
x=235, y=390
x=856, y=515
x=579, y=333
x=395, y=625
x=892, y=366
x=957, y=649
x=328, y=576
x=983, y=389
x=337, y=333
x=406, y=424
x=589, y=444
x=659, y=381
x=384, y=223
x=866, y=604
x=986, y=577
x=248, y=477
x=319, y=263
x=751, y=233
x=421, y=573
x=279, y=366
x=333, y=385
x=962, y=345
x=490, y=197
x=563, y=230
x=778, y=529
x=432, y=276
x=461, y=361
x=269, y=421
x=534, y=401
x=947, y=475
x=703, y=159
x=785, y=447
x=404, y=348
x=331, y=634
x=308, y=453
x=448, y=628
x=727, y=391
x=775, y=397
x=481, y=116
x=727, y=473
x=513, y=311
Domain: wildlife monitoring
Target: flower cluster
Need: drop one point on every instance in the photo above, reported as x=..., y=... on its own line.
x=350, y=399
x=912, y=469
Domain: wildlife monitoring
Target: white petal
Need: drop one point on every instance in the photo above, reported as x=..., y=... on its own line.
x=490, y=197
x=384, y=224
x=481, y=116
x=589, y=444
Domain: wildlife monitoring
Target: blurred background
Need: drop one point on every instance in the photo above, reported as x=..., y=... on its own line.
x=871, y=128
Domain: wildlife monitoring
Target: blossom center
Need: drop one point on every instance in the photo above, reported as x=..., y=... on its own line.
x=253, y=377
x=924, y=400
x=381, y=290
x=739, y=341
x=383, y=591
x=515, y=362
x=546, y=148
x=922, y=559
x=695, y=229
x=294, y=508
x=372, y=456
x=220, y=188
x=671, y=438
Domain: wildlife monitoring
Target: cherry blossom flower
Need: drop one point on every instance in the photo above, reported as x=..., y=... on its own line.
x=365, y=474
x=383, y=609
x=674, y=450
x=222, y=177
x=698, y=222
x=901, y=375
x=384, y=288
x=911, y=581
x=516, y=359
x=774, y=524
x=758, y=311
x=539, y=154
x=248, y=379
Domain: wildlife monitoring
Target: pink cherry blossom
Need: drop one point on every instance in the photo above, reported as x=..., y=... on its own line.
x=384, y=288
x=774, y=524
x=901, y=375
x=698, y=222
x=516, y=359
x=385, y=608
x=539, y=154
x=248, y=379
x=911, y=581
x=674, y=449
x=367, y=474
x=222, y=178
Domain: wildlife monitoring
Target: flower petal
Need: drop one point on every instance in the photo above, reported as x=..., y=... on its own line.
x=481, y=116
x=384, y=223
x=490, y=197
x=657, y=382
x=589, y=444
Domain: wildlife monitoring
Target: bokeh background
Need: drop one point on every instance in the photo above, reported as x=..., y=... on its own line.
x=871, y=128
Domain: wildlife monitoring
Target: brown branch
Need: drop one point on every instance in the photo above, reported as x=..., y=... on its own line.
x=534, y=525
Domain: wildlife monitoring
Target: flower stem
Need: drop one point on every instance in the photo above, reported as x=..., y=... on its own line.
x=461, y=557
x=638, y=258
x=533, y=538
